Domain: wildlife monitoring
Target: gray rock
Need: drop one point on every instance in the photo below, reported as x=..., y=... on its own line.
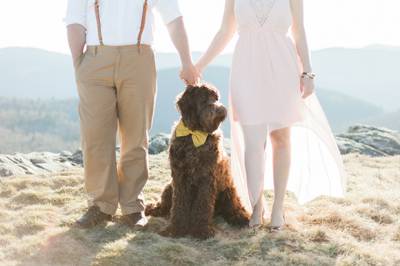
x=38, y=161
x=159, y=143
x=368, y=140
x=347, y=146
x=34, y=163
x=5, y=172
x=76, y=158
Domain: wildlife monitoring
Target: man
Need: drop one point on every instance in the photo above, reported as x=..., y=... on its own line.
x=116, y=81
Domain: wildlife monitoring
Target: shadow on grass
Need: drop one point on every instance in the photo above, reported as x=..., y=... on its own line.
x=117, y=244
x=75, y=246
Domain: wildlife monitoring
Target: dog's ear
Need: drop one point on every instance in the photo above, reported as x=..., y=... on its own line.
x=186, y=105
x=212, y=91
x=182, y=103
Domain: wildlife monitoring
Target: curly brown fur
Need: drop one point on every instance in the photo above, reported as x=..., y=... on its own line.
x=162, y=208
x=202, y=185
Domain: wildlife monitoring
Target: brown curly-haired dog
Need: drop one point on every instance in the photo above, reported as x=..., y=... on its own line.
x=202, y=185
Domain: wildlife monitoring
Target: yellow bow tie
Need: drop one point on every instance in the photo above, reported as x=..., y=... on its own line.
x=198, y=137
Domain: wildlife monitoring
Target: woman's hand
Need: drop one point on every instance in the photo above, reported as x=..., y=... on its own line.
x=307, y=86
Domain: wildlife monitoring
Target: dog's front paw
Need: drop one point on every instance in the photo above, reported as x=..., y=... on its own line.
x=241, y=219
x=152, y=210
x=148, y=211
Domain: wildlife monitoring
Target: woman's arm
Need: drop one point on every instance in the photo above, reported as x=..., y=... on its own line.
x=300, y=38
x=222, y=38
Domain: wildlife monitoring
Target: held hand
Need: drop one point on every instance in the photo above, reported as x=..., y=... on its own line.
x=307, y=87
x=190, y=75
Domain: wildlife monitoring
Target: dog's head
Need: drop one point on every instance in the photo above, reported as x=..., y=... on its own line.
x=200, y=108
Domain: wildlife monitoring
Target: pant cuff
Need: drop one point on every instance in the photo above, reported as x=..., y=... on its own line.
x=105, y=207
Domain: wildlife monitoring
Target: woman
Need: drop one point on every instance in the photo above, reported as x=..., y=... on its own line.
x=279, y=131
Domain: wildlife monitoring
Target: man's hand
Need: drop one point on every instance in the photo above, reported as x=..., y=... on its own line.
x=190, y=75
x=177, y=31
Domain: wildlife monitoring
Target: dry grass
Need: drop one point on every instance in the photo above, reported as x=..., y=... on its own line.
x=362, y=229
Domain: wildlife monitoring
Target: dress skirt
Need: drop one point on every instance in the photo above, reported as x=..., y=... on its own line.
x=265, y=89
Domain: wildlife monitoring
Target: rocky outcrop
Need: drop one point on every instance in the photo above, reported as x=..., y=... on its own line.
x=159, y=143
x=35, y=163
x=360, y=139
x=368, y=140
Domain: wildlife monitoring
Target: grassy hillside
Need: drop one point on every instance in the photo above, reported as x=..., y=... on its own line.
x=38, y=125
x=361, y=229
x=343, y=110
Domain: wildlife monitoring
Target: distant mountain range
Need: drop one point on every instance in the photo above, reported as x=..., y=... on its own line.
x=355, y=85
x=34, y=73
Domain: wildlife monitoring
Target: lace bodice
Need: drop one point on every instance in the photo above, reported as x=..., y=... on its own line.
x=263, y=14
x=262, y=9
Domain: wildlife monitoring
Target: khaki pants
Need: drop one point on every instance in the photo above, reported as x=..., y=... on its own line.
x=117, y=88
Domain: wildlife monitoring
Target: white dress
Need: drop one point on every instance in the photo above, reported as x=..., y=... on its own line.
x=265, y=89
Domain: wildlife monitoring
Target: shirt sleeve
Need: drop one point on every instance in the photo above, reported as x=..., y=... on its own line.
x=76, y=12
x=168, y=10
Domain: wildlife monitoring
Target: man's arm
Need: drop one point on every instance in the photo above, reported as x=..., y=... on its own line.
x=179, y=37
x=75, y=20
x=76, y=39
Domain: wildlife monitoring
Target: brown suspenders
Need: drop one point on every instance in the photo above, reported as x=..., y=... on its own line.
x=97, y=11
x=142, y=23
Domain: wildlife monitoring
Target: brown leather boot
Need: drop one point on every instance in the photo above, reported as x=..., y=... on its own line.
x=92, y=217
x=134, y=220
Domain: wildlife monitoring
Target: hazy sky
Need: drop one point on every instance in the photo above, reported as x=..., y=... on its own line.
x=348, y=23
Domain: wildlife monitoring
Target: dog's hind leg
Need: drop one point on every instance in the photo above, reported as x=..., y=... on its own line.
x=231, y=209
x=163, y=207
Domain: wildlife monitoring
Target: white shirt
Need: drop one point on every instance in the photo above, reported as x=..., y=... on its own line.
x=120, y=19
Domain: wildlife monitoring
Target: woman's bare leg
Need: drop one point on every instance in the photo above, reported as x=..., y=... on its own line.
x=255, y=137
x=280, y=140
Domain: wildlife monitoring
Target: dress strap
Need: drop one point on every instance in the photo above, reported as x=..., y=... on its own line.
x=142, y=23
